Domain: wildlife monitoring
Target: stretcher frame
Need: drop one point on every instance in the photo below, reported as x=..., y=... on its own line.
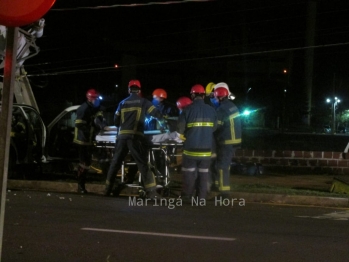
x=163, y=180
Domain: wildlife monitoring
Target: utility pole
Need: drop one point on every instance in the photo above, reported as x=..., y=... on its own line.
x=309, y=57
x=334, y=105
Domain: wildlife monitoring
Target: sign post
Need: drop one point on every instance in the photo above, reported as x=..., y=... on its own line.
x=6, y=117
x=13, y=13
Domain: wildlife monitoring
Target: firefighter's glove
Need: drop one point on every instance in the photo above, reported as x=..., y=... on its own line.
x=182, y=137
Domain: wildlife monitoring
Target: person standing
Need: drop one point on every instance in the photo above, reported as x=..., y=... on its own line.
x=196, y=125
x=165, y=108
x=89, y=120
x=210, y=100
x=227, y=135
x=129, y=119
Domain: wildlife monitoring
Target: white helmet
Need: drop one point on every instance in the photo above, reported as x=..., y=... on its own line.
x=224, y=85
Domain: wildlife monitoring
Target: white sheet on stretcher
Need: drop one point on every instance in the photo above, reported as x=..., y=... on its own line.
x=106, y=138
x=165, y=137
x=155, y=136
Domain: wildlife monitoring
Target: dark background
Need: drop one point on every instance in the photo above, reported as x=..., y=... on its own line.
x=245, y=43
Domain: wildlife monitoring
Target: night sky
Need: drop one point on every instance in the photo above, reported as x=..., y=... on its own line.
x=174, y=46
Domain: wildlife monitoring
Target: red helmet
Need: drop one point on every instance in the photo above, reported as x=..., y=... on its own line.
x=220, y=92
x=134, y=83
x=197, y=89
x=91, y=94
x=231, y=96
x=183, y=102
x=160, y=93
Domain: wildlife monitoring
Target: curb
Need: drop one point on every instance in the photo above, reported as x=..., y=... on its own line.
x=62, y=187
x=293, y=199
x=66, y=187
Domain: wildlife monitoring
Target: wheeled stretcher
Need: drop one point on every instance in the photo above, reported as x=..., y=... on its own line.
x=163, y=153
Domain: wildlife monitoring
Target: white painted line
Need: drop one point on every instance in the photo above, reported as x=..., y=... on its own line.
x=158, y=234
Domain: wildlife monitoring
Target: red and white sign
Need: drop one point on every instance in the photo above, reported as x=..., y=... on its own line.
x=15, y=13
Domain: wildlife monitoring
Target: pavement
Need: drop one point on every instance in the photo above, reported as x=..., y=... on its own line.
x=311, y=190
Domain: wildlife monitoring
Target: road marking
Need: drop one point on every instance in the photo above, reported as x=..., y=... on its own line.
x=344, y=215
x=298, y=205
x=158, y=234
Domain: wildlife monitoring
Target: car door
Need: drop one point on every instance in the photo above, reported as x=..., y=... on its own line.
x=61, y=134
x=36, y=134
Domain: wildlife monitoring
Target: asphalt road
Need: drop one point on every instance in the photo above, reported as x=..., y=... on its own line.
x=41, y=226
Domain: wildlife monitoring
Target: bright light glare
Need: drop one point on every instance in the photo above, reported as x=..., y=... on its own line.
x=328, y=100
x=246, y=112
x=100, y=98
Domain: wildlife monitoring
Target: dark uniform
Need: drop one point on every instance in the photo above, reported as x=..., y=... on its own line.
x=89, y=121
x=129, y=118
x=212, y=176
x=228, y=138
x=167, y=110
x=197, y=122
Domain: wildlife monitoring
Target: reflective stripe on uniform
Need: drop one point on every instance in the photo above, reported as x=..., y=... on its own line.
x=222, y=187
x=80, y=121
x=191, y=169
x=199, y=154
x=130, y=132
x=130, y=109
x=209, y=124
x=150, y=109
x=231, y=142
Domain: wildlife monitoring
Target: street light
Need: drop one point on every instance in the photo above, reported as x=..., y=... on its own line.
x=334, y=104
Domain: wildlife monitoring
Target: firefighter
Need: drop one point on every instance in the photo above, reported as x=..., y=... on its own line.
x=129, y=119
x=227, y=135
x=165, y=108
x=196, y=125
x=168, y=110
x=209, y=98
x=215, y=103
x=230, y=95
x=89, y=120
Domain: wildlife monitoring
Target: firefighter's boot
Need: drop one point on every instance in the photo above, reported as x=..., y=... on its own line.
x=82, y=180
x=109, y=184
